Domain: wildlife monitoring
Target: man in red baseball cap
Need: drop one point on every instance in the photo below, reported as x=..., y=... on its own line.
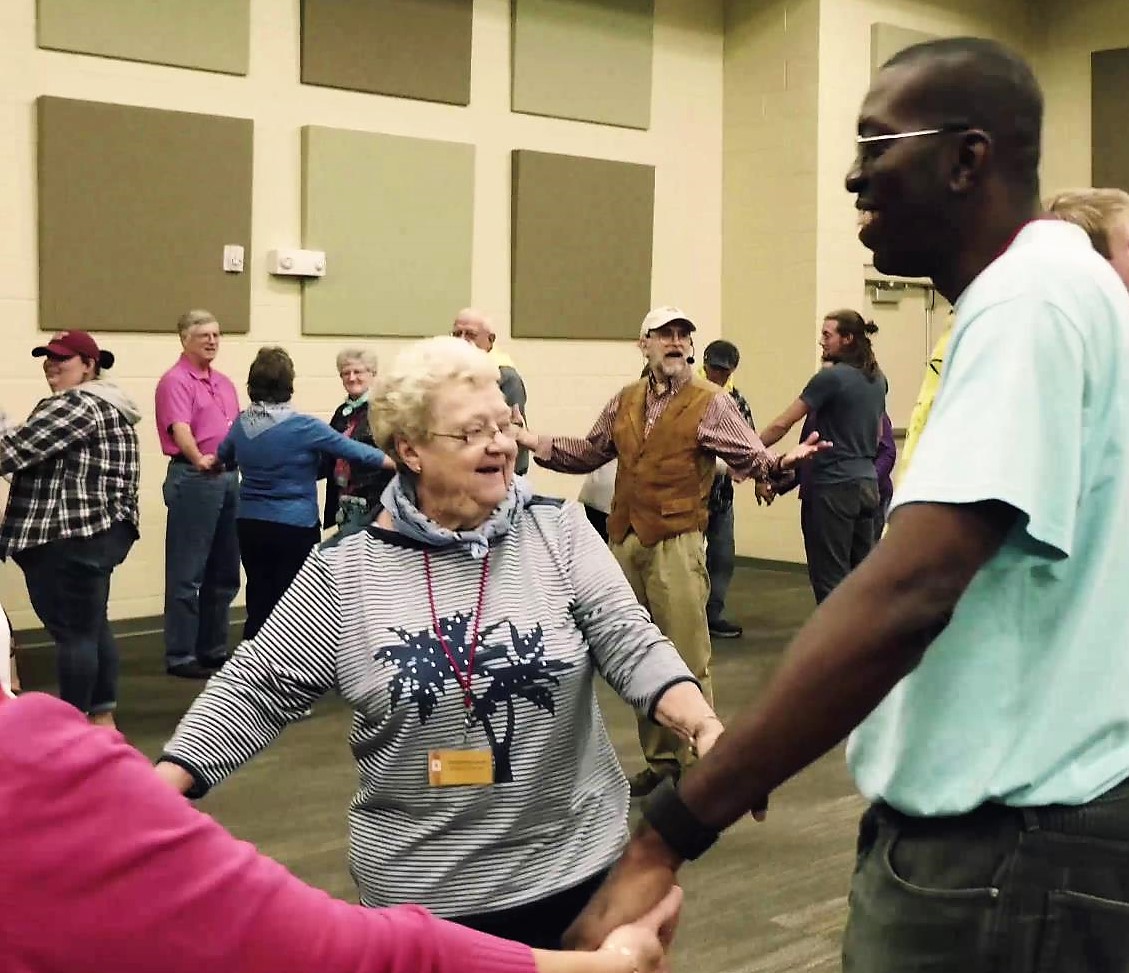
x=72, y=512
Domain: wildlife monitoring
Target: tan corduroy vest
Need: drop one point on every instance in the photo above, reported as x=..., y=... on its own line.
x=664, y=479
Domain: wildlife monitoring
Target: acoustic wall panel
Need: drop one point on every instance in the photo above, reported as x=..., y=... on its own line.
x=410, y=48
x=886, y=40
x=1109, y=140
x=135, y=208
x=582, y=234
x=396, y=218
x=212, y=35
x=584, y=59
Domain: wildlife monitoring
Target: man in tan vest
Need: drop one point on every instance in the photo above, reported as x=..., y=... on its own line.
x=667, y=429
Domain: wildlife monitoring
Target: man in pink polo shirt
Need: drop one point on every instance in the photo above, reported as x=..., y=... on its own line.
x=196, y=405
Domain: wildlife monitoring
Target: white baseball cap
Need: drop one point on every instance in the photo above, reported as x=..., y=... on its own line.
x=661, y=316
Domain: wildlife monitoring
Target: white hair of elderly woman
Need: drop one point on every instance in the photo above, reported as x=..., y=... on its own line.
x=357, y=356
x=403, y=395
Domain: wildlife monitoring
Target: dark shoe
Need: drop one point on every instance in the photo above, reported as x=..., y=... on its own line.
x=214, y=663
x=721, y=629
x=646, y=781
x=189, y=670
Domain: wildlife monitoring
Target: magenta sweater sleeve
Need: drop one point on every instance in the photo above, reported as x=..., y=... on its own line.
x=104, y=867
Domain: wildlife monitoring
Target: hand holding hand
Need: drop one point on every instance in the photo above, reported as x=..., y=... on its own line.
x=645, y=941
x=640, y=881
x=208, y=464
x=706, y=734
x=766, y=493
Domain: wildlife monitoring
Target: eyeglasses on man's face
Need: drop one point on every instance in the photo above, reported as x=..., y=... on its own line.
x=870, y=146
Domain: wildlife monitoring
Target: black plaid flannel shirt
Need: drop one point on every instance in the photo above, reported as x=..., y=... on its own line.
x=75, y=468
x=721, y=494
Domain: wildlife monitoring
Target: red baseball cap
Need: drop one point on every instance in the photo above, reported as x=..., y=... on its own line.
x=67, y=344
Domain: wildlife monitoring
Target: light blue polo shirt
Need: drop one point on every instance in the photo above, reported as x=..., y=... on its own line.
x=1024, y=698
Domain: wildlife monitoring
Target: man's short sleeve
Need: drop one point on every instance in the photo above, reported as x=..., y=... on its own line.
x=173, y=401
x=1007, y=423
x=821, y=388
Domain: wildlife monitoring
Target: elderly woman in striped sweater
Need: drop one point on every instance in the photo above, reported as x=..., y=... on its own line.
x=466, y=627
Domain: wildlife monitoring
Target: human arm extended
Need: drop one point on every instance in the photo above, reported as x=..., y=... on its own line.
x=783, y=423
x=270, y=682
x=636, y=659
x=329, y=441
x=571, y=454
x=85, y=813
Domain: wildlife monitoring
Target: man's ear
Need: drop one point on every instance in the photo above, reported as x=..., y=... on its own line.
x=974, y=152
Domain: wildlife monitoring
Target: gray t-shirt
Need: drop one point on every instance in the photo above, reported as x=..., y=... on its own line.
x=849, y=409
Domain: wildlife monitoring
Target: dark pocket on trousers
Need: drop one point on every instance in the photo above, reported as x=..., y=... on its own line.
x=937, y=868
x=1085, y=933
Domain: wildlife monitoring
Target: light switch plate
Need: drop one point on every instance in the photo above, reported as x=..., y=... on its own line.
x=233, y=258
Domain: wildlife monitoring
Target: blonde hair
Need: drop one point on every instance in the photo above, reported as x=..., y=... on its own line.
x=361, y=355
x=189, y=319
x=1095, y=210
x=404, y=394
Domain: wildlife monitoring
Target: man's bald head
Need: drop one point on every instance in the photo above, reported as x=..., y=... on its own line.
x=975, y=83
x=474, y=326
x=948, y=157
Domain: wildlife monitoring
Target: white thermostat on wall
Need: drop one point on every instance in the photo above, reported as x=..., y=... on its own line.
x=296, y=263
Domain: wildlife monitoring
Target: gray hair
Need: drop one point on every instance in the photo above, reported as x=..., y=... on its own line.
x=361, y=355
x=404, y=394
x=189, y=319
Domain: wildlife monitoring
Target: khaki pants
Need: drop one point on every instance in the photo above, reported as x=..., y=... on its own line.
x=671, y=582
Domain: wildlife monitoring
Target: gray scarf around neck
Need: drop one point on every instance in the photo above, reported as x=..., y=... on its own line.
x=399, y=499
x=258, y=417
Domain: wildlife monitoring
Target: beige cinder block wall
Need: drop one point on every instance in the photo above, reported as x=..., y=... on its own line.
x=1067, y=33
x=770, y=228
x=568, y=381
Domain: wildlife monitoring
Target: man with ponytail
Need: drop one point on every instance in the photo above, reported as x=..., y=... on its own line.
x=840, y=497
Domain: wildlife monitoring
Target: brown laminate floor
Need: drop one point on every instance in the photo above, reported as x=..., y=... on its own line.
x=769, y=898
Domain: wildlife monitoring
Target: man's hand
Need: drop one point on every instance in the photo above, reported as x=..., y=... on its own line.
x=806, y=450
x=208, y=464
x=525, y=439
x=640, y=880
x=766, y=493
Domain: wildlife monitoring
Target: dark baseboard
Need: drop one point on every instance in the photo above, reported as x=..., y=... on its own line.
x=768, y=564
x=31, y=638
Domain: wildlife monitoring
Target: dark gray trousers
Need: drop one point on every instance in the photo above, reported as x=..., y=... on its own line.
x=1000, y=890
x=838, y=524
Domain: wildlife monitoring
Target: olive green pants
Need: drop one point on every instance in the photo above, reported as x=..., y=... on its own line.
x=671, y=582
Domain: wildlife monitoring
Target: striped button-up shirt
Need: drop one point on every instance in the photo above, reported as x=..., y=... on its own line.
x=722, y=432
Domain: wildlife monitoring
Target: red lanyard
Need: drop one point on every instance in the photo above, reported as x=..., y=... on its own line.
x=463, y=679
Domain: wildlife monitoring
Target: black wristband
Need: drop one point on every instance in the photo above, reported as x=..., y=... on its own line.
x=676, y=824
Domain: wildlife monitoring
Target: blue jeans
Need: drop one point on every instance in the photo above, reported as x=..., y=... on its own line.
x=720, y=560
x=201, y=563
x=68, y=582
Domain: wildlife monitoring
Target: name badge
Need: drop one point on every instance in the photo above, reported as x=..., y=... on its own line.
x=460, y=768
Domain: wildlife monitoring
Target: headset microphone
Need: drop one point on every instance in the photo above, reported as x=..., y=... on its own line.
x=690, y=357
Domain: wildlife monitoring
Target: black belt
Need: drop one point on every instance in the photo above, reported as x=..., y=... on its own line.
x=180, y=458
x=1106, y=816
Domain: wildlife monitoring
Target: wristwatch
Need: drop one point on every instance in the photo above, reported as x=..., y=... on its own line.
x=676, y=824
